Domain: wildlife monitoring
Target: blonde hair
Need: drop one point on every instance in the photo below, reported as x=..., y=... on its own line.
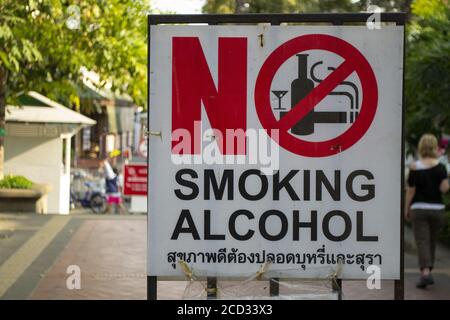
x=428, y=146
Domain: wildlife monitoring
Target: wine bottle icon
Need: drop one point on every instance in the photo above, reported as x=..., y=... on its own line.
x=300, y=88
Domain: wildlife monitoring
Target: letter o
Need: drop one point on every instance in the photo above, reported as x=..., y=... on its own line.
x=262, y=225
x=326, y=225
x=264, y=185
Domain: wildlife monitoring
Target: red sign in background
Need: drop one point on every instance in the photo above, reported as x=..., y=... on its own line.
x=354, y=61
x=135, y=180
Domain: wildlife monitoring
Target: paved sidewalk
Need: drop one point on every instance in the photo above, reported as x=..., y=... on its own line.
x=356, y=290
x=109, y=249
x=111, y=253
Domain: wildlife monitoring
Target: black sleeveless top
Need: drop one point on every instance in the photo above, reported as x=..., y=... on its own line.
x=427, y=182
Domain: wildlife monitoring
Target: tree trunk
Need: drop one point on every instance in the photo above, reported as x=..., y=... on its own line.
x=3, y=79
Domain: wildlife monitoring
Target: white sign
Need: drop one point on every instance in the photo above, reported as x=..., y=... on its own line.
x=278, y=143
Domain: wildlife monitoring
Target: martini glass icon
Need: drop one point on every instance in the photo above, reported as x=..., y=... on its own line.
x=279, y=94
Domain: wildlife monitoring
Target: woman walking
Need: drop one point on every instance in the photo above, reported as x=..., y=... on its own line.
x=113, y=185
x=427, y=182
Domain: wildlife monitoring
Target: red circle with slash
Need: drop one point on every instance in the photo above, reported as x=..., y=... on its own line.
x=354, y=61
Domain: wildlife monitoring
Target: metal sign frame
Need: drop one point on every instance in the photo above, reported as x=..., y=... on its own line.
x=399, y=18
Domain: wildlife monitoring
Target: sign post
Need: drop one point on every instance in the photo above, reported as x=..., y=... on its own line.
x=277, y=144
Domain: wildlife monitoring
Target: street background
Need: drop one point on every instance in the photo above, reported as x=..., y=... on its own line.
x=73, y=92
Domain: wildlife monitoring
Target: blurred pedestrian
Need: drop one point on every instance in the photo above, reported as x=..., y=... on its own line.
x=427, y=182
x=113, y=188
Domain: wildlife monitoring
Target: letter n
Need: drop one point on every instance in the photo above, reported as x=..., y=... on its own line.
x=192, y=84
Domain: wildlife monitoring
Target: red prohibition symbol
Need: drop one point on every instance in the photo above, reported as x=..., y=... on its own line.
x=354, y=61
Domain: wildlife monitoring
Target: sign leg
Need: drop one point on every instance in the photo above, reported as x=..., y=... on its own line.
x=151, y=288
x=274, y=287
x=399, y=285
x=211, y=288
x=399, y=290
x=337, y=287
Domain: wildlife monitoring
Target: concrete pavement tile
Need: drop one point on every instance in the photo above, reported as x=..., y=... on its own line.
x=18, y=263
x=16, y=229
x=112, y=257
x=30, y=278
x=438, y=291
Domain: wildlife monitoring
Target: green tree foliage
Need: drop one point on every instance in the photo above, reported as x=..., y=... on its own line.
x=298, y=6
x=44, y=44
x=55, y=38
x=254, y=6
x=427, y=85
